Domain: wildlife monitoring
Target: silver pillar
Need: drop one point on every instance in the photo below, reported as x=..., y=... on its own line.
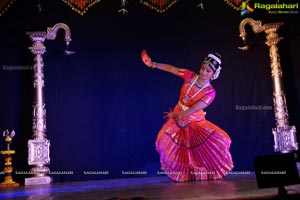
x=39, y=145
x=284, y=135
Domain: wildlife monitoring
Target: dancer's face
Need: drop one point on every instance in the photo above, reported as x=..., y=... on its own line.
x=206, y=72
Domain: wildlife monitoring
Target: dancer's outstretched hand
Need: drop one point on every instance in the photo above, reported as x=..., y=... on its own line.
x=146, y=58
x=169, y=115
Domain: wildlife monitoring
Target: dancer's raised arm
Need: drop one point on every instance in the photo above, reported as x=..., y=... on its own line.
x=155, y=65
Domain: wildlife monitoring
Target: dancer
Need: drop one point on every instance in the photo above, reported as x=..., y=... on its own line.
x=191, y=147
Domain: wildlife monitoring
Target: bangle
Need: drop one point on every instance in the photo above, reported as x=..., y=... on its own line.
x=153, y=65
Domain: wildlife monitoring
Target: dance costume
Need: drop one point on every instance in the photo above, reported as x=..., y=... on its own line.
x=200, y=149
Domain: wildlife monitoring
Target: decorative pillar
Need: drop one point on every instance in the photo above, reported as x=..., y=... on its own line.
x=285, y=139
x=39, y=145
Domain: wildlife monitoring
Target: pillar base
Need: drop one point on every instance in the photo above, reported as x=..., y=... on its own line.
x=38, y=180
x=285, y=139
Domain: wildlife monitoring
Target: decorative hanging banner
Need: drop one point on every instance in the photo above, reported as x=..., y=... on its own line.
x=123, y=10
x=240, y=5
x=158, y=5
x=4, y=5
x=237, y=4
x=81, y=6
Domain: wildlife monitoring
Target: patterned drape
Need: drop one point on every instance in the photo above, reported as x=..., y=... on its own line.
x=4, y=5
x=81, y=6
x=236, y=4
x=159, y=5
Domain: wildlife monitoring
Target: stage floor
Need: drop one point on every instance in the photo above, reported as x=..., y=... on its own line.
x=153, y=188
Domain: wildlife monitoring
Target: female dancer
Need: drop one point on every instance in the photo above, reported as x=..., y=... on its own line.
x=190, y=147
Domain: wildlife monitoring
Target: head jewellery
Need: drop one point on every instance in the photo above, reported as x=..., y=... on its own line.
x=213, y=60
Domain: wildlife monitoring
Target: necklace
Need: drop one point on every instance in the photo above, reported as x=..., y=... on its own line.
x=188, y=98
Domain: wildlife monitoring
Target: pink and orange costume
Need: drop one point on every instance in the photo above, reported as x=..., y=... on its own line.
x=199, y=150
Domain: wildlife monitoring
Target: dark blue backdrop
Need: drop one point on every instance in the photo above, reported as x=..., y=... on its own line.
x=105, y=108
